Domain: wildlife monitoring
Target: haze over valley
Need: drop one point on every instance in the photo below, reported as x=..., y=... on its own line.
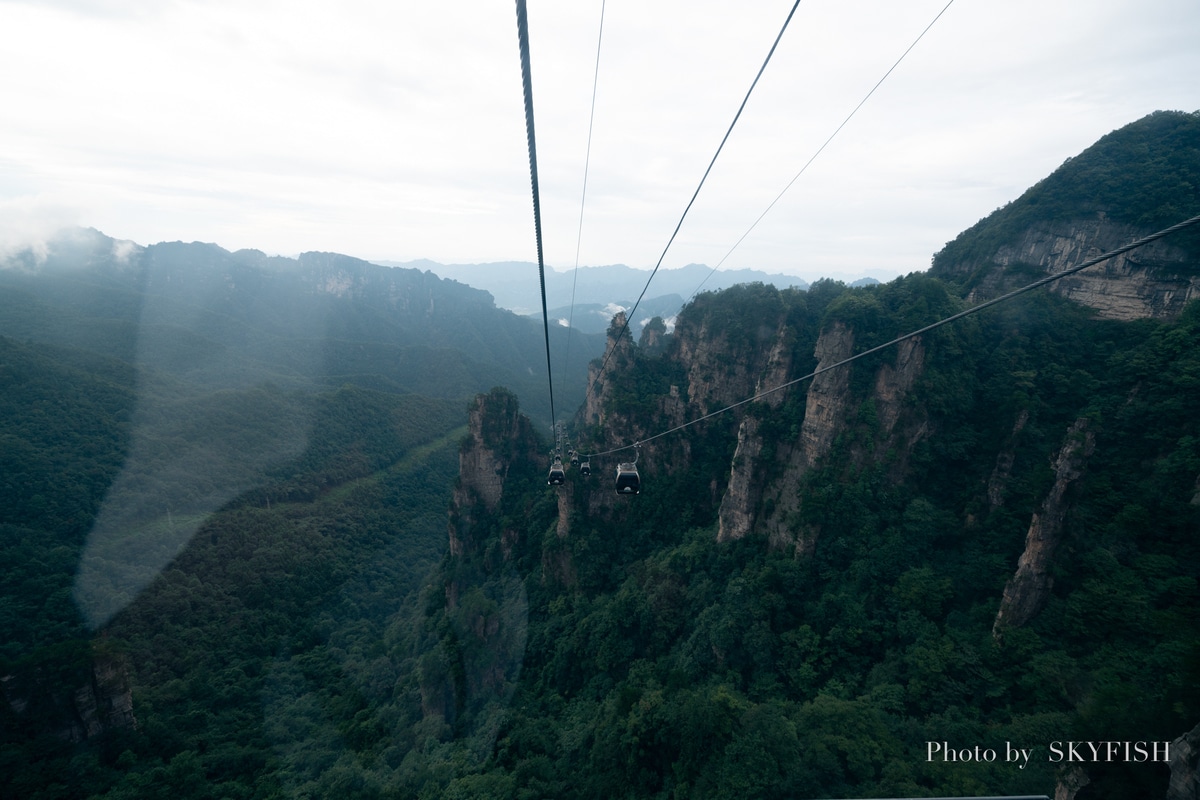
x=281, y=527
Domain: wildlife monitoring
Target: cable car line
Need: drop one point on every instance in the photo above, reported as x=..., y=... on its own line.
x=964, y=313
x=725, y=138
x=820, y=149
x=583, y=198
x=527, y=84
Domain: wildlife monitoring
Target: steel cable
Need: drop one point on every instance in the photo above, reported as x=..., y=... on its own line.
x=527, y=83
x=820, y=149
x=966, y=312
x=696, y=193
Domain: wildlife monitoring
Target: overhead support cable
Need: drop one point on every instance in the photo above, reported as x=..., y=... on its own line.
x=976, y=797
x=587, y=159
x=696, y=193
x=527, y=83
x=820, y=149
x=946, y=321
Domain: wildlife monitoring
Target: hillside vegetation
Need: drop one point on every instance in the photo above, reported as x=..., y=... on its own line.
x=260, y=543
x=661, y=662
x=229, y=320
x=1146, y=174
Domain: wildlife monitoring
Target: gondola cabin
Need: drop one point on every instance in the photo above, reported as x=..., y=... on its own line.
x=585, y=467
x=628, y=480
x=557, y=475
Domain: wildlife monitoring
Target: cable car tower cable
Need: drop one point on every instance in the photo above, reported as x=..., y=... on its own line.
x=527, y=82
x=820, y=149
x=696, y=193
x=1091, y=262
x=587, y=160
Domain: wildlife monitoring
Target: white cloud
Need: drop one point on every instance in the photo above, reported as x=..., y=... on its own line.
x=28, y=224
x=611, y=310
x=396, y=131
x=123, y=250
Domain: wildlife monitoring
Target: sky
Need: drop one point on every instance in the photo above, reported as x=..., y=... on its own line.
x=395, y=130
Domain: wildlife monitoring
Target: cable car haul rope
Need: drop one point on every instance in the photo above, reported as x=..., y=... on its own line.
x=945, y=321
x=628, y=480
x=527, y=83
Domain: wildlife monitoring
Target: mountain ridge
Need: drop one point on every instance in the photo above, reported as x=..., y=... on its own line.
x=925, y=541
x=984, y=537
x=291, y=320
x=1140, y=178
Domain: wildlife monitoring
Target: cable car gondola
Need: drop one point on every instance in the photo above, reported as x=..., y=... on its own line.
x=585, y=467
x=557, y=475
x=628, y=480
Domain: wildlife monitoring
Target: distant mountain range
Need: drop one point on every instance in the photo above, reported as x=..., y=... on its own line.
x=589, y=298
x=227, y=319
x=257, y=543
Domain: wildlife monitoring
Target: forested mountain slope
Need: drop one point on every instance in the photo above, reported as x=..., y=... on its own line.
x=214, y=453
x=1136, y=180
x=808, y=592
x=235, y=319
x=982, y=541
x=986, y=537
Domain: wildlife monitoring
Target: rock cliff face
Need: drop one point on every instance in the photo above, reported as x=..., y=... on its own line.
x=1027, y=590
x=893, y=382
x=824, y=413
x=497, y=435
x=105, y=702
x=1185, y=767
x=998, y=482
x=716, y=370
x=1155, y=281
x=720, y=372
x=766, y=498
x=825, y=407
x=1132, y=182
x=618, y=354
x=742, y=494
x=479, y=660
x=1070, y=782
x=102, y=702
x=744, y=491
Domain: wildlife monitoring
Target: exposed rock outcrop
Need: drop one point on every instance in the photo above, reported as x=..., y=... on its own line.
x=618, y=354
x=478, y=661
x=740, y=501
x=825, y=407
x=778, y=369
x=1026, y=592
x=1070, y=781
x=106, y=701
x=997, y=483
x=824, y=416
x=565, y=506
x=752, y=502
x=898, y=433
x=723, y=369
x=892, y=383
x=102, y=702
x=1152, y=281
x=1185, y=767
x=739, y=504
x=497, y=435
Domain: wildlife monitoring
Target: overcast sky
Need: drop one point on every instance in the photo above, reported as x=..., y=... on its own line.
x=395, y=130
